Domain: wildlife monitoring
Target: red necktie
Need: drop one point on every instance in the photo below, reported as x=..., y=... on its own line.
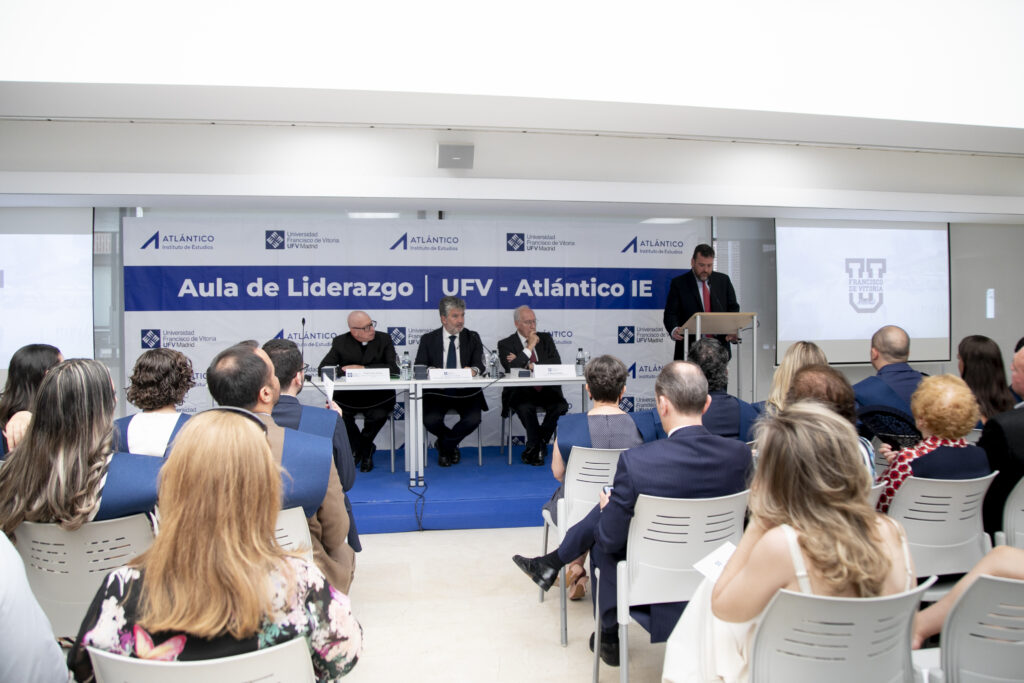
x=707, y=297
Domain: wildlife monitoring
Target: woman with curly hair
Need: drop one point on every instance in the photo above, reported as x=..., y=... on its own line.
x=28, y=366
x=981, y=366
x=159, y=382
x=215, y=582
x=65, y=470
x=811, y=530
x=945, y=412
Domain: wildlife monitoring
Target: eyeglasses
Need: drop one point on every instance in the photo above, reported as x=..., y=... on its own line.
x=239, y=411
x=528, y=322
x=365, y=328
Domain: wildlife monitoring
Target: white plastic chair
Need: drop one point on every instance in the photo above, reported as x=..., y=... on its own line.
x=983, y=636
x=66, y=568
x=942, y=518
x=288, y=662
x=875, y=494
x=292, y=532
x=587, y=472
x=666, y=537
x=1013, y=518
x=812, y=638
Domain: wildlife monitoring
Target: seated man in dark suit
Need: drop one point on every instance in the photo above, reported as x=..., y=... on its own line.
x=523, y=349
x=1003, y=441
x=242, y=376
x=452, y=346
x=895, y=381
x=288, y=368
x=690, y=463
x=363, y=347
x=728, y=416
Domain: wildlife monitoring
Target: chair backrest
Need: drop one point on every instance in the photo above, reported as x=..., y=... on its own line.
x=1013, y=516
x=875, y=494
x=287, y=662
x=667, y=536
x=943, y=521
x=983, y=637
x=588, y=470
x=292, y=531
x=815, y=638
x=66, y=568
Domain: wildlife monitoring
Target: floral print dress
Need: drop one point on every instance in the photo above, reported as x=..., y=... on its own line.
x=316, y=611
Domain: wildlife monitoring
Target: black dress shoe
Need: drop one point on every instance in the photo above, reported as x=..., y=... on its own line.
x=538, y=458
x=529, y=455
x=542, y=574
x=443, y=460
x=609, y=648
x=455, y=456
x=366, y=464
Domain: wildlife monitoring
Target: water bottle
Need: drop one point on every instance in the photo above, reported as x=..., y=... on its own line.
x=406, y=366
x=581, y=362
x=494, y=364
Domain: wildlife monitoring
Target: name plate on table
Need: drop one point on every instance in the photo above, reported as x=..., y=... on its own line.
x=368, y=375
x=450, y=373
x=558, y=371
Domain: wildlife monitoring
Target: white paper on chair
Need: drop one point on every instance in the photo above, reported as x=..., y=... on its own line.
x=711, y=565
x=560, y=371
x=367, y=375
x=450, y=373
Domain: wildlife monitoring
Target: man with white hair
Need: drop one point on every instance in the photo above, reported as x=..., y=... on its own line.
x=523, y=349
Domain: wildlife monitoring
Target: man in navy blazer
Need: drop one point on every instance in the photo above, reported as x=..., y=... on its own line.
x=698, y=291
x=288, y=412
x=728, y=415
x=895, y=381
x=452, y=346
x=690, y=463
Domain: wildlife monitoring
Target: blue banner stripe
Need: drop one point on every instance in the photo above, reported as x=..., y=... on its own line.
x=262, y=288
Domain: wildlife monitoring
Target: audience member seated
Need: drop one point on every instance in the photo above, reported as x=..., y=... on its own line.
x=830, y=387
x=1016, y=390
x=242, y=376
x=605, y=425
x=728, y=416
x=1003, y=442
x=288, y=367
x=798, y=355
x=894, y=381
x=65, y=470
x=215, y=583
x=28, y=366
x=981, y=366
x=945, y=411
x=811, y=530
x=158, y=385
x=691, y=463
x=28, y=649
x=1004, y=562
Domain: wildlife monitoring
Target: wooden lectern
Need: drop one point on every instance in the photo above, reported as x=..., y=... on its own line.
x=724, y=323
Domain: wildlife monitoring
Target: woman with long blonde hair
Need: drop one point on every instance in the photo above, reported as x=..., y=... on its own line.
x=215, y=582
x=800, y=354
x=812, y=530
x=64, y=471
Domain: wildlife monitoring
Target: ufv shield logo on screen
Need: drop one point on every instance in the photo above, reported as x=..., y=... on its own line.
x=866, y=285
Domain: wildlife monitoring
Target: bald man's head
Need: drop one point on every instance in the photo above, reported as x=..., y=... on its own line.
x=683, y=385
x=890, y=344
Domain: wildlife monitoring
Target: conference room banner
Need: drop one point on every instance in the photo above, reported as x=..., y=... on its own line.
x=201, y=284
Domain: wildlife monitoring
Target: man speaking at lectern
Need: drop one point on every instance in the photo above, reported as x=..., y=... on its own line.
x=699, y=291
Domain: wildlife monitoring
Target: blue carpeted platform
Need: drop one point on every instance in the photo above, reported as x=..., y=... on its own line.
x=463, y=496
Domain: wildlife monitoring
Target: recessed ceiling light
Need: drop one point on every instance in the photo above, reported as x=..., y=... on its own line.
x=373, y=214
x=666, y=221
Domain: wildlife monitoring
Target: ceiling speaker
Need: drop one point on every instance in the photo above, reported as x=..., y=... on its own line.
x=455, y=156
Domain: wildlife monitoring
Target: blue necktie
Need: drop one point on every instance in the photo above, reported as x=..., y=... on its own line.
x=451, y=362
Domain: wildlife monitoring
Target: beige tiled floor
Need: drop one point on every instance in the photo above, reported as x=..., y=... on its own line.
x=451, y=606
